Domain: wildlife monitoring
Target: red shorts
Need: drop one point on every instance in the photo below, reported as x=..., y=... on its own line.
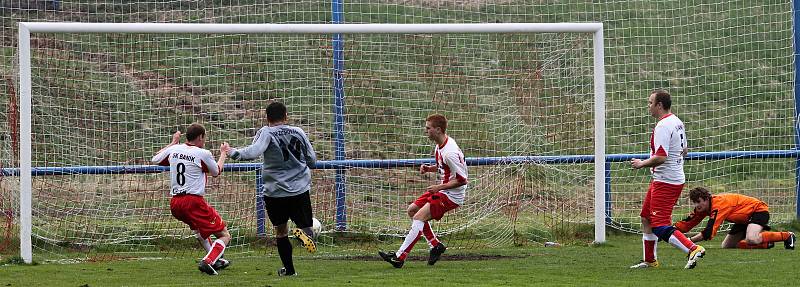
x=194, y=211
x=440, y=203
x=658, y=203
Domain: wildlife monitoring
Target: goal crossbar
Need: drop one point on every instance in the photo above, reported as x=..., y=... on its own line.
x=168, y=28
x=24, y=46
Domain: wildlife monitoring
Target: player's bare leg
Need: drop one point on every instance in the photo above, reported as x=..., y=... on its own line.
x=732, y=240
x=753, y=238
x=412, y=210
x=753, y=234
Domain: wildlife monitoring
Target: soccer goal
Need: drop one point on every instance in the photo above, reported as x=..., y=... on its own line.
x=524, y=100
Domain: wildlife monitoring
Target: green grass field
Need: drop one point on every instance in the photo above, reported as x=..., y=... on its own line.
x=605, y=265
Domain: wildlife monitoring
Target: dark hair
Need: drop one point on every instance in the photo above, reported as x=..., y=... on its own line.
x=276, y=111
x=194, y=131
x=437, y=121
x=664, y=98
x=698, y=193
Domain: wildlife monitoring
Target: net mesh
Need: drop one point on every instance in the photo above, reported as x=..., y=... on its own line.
x=113, y=99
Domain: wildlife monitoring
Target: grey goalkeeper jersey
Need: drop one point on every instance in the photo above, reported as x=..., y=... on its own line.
x=287, y=155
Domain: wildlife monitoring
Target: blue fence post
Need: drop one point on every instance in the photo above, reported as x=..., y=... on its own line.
x=608, y=192
x=796, y=41
x=337, y=7
x=261, y=213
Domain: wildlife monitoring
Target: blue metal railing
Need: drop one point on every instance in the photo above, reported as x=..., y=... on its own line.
x=343, y=165
x=396, y=163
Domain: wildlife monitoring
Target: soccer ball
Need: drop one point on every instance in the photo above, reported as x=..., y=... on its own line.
x=316, y=226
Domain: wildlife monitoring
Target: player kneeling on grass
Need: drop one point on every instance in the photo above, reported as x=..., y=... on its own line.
x=288, y=157
x=750, y=218
x=438, y=198
x=188, y=165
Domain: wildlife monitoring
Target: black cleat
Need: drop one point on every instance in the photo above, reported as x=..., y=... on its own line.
x=282, y=272
x=207, y=269
x=436, y=253
x=789, y=242
x=221, y=263
x=392, y=259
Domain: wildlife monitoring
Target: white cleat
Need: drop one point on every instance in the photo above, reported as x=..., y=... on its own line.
x=695, y=256
x=644, y=264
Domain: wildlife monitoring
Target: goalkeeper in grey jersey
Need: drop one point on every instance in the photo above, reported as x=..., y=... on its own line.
x=288, y=157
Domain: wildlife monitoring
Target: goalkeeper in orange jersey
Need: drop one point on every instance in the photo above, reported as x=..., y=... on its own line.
x=750, y=218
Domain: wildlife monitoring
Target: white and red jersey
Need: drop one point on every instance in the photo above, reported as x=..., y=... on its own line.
x=669, y=139
x=451, y=165
x=188, y=166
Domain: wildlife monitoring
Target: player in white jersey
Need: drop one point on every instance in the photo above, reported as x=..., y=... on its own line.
x=188, y=165
x=439, y=198
x=668, y=147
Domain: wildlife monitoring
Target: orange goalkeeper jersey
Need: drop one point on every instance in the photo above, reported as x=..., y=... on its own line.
x=735, y=208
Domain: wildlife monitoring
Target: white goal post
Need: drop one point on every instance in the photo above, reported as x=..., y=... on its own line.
x=25, y=82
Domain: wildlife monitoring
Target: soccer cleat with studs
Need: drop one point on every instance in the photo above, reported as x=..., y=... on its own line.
x=695, y=256
x=644, y=264
x=221, y=263
x=305, y=240
x=392, y=259
x=436, y=253
x=789, y=242
x=282, y=272
x=207, y=269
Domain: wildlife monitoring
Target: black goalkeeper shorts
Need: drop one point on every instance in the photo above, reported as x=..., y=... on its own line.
x=297, y=208
x=760, y=218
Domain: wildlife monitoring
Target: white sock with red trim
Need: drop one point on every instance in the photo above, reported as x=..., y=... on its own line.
x=411, y=239
x=215, y=252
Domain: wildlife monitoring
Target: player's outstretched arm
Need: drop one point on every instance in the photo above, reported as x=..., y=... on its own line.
x=254, y=150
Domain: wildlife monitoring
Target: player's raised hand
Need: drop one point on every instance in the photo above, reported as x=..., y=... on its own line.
x=176, y=137
x=224, y=148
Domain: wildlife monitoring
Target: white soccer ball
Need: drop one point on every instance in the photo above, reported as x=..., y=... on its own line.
x=316, y=226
